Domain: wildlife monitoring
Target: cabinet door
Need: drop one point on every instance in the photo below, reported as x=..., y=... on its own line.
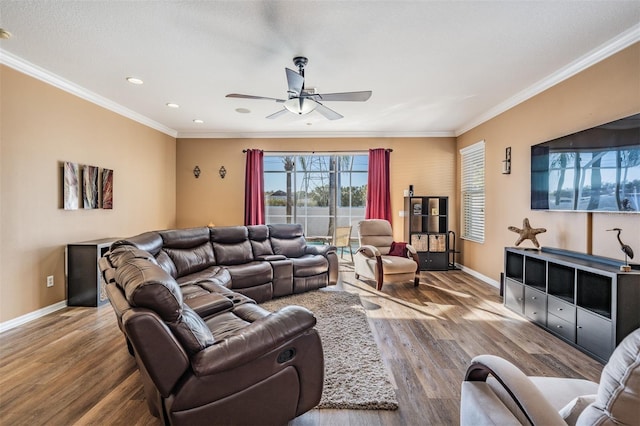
x=535, y=305
x=561, y=327
x=423, y=261
x=438, y=261
x=514, y=296
x=594, y=333
x=433, y=261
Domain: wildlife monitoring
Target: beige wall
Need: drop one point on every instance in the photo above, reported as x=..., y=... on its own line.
x=427, y=163
x=607, y=91
x=42, y=126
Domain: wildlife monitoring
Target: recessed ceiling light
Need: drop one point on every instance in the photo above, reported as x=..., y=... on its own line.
x=243, y=110
x=172, y=105
x=198, y=121
x=4, y=34
x=134, y=80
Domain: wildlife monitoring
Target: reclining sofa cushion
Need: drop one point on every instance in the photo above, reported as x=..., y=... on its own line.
x=260, y=243
x=232, y=249
x=231, y=245
x=310, y=263
x=125, y=253
x=146, y=285
x=196, y=284
x=287, y=239
x=189, y=249
x=149, y=241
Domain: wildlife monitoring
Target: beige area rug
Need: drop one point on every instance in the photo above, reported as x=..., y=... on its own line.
x=354, y=375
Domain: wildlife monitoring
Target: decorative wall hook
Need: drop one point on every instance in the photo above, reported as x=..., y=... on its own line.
x=196, y=172
x=506, y=163
x=223, y=172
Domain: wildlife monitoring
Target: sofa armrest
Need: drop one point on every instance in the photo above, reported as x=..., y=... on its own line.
x=258, y=338
x=411, y=250
x=522, y=390
x=209, y=304
x=271, y=257
x=369, y=251
x=321, y=249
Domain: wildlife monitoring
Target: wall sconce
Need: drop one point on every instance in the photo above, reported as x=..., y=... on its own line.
x=506, y=163
x=223, y=172
x=196, y=172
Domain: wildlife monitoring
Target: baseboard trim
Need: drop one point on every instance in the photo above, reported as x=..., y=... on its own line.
x=16, y=322
x=479, y=276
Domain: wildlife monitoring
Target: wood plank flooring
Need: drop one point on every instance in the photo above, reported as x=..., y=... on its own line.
x=72, y=367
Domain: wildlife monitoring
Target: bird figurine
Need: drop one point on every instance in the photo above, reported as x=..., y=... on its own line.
x=626, y=249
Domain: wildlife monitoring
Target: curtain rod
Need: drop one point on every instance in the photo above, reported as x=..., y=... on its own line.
x=313, y=152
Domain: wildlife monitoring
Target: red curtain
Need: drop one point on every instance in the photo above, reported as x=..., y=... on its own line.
x=254, y=188
x=378, y=192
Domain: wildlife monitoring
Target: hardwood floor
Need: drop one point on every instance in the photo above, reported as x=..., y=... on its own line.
x=72, y=367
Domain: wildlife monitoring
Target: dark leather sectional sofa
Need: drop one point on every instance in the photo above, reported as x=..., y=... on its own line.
x=260, y=261
x=207, y=352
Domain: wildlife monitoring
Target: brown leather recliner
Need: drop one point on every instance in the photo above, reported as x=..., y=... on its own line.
x=239, y=365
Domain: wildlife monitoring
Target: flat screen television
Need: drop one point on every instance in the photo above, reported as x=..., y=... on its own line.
x=595, y=170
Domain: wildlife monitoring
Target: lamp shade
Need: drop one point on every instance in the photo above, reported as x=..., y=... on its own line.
x=300, y=105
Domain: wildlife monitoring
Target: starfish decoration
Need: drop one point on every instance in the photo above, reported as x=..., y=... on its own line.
x=527, y=233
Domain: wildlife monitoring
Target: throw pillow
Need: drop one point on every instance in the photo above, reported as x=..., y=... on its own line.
x=398, y=249
x=574, y=408
x=618, y=398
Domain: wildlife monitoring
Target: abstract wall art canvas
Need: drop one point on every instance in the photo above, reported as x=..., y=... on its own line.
x=71, y=186
x=90, y=187
x=107, y=189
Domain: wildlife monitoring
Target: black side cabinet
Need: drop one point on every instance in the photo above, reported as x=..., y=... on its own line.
x=85, y=285
x=584, y=299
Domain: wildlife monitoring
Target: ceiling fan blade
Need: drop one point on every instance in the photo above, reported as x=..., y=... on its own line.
x=283, y=111
x=327, y=112
x=295, y=81
x=346, y=96
x=237, y=95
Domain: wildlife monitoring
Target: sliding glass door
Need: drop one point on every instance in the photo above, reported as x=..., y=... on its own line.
x=321, y=191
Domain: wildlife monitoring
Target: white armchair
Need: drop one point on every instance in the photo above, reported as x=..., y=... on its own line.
x=496, y=392
x=372, y=260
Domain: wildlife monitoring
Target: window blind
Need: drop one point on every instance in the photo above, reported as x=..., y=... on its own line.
x=472, y=191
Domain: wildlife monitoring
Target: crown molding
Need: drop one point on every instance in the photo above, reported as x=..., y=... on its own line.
x=303, y=135
x=19, y=64
x=613, y=46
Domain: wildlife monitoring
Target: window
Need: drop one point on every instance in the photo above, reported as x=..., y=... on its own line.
x=472, y=192
x=320, y=191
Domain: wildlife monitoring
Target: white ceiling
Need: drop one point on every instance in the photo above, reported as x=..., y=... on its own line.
x=435, y=67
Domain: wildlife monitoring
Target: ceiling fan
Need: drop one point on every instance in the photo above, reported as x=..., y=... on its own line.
x=303, y=101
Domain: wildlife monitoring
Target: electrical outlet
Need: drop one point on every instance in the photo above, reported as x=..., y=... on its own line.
x=50, y=281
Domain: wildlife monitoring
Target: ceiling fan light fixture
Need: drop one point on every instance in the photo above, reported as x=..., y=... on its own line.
x=300, y=105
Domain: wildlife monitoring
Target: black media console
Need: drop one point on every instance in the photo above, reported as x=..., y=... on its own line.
x=585, y=300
